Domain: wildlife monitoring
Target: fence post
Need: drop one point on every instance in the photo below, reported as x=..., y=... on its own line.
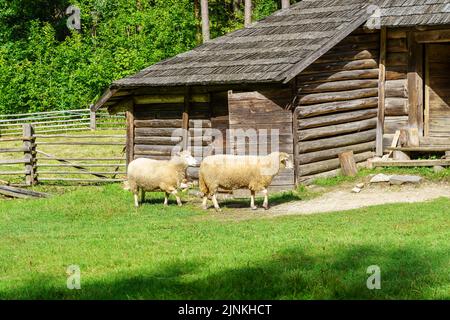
x=93, y=122
x=29, y=154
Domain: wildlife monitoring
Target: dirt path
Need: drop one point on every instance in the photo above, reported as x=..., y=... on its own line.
x=343, y=199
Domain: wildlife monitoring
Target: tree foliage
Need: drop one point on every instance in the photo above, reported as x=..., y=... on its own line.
x=45, y=66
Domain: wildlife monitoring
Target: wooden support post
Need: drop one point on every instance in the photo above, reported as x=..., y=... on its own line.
x=413, y=137
x=415, y=83
x=185, y=121
x=29, y=154
x=381, y=93
x=92, y=118
x=348, y=164
x=130, y=134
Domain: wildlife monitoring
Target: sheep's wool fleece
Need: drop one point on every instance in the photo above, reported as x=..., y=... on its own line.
x=153, y=175
x=233, y=172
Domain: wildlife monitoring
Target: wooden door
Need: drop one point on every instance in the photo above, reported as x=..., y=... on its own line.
x=437, y=90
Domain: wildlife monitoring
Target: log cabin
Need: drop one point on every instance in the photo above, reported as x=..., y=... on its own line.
x=327, y=76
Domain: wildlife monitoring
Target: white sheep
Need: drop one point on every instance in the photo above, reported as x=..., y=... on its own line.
x=158, y=175
x=234, y=172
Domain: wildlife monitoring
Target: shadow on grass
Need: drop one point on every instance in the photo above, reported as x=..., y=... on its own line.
x=274, y=200
x=406, y=273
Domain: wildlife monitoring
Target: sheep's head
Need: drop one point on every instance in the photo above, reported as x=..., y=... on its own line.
x=187, y=157
x=285, y=161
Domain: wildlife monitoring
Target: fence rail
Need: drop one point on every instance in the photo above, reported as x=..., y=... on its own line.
x=40, y=165
x=61, y=121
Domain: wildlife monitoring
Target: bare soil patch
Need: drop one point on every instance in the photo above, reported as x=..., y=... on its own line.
x=342, y=198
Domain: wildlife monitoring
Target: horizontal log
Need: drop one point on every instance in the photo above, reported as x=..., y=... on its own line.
x=80, y=172
x=327, y=165
x=153, y=149
x=347, y=56
x=411, y=163
x=14, y=139
x=161, y=132
x=332, y=107
x=341, y=66
x=316, y=98
x=434, y=141
x=343, y=117
x=157, y=99
x=79, y=136
x=397, y=45
x=396, y=73
x=12, y=150
x=396, y=59
x=344, y=85
x=170, y=123
x=338, y=76
x=316, y=156
x=333, y=142
x=73, y=143
x=392, y=124
x=157, y=140
x=80, y=180
x=307, y=180
x=334, y=130
x=422, y=149
x=14, y=161
x=14, y=173
x=396, y=107
x=397, y=88
x=84, y=159
x=87, y=165
x=433, y=36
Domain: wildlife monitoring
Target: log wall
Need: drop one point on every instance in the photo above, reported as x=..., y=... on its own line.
x=156, y=118
x=336, y=106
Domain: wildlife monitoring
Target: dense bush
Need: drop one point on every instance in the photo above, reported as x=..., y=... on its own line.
x=45, y=66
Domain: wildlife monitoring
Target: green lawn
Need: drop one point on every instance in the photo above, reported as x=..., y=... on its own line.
x=171, y=253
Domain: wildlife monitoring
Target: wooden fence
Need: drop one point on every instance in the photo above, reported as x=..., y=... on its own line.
x=61, y=121
x=40, y=165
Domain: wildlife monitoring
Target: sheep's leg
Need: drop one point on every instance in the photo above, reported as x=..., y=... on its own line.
x=216, y=204
x=205, y=203
x=266, y=199
x=142, y=195
x=166, y=199
x=175, y=193
x=136, y=200
x=252, y=201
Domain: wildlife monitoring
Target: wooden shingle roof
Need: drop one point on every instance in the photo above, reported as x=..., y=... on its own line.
x=274, y=49
x=403, y=13
x=279, y=47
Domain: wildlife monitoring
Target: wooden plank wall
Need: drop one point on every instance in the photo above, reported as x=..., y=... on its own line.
x=266, y=110
x=157, y=117
x=337, y=105
x=396, y=103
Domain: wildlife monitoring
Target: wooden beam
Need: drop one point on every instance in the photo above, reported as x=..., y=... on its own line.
x=432, y=36
x=381, y=93
x=427, y=95
x=415, y=92
x=105, y=97
x=130, y=135
x=411, y=163
x=185, y=120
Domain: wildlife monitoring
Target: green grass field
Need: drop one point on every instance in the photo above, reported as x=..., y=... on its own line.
x=171, y=253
